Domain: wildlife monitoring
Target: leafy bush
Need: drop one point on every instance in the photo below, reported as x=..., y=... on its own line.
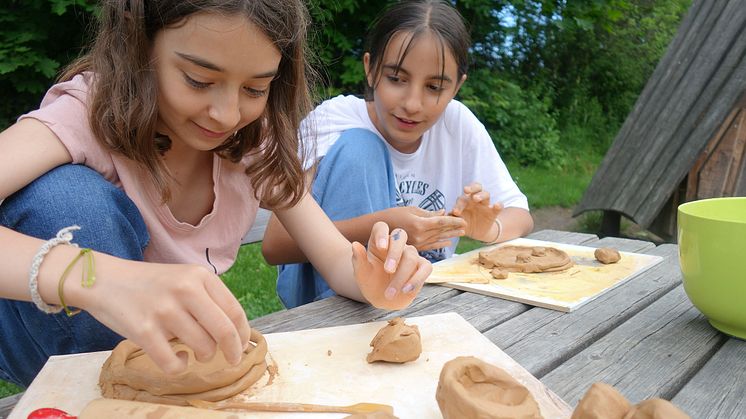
x=37, y=37
x=520, y=123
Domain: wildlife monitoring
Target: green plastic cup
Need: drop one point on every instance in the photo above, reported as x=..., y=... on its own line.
x=712, y=255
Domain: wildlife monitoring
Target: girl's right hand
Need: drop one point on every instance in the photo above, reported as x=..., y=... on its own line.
x=426, y=230
x=159, y=302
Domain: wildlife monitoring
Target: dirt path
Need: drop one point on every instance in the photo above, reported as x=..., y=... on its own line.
x=553, y=218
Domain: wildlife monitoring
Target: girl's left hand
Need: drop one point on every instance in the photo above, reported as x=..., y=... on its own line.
x=390, y=272
x=474, y=207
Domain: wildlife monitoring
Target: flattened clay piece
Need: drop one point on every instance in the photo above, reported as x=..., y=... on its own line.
x=126, y=409
x=656, y=409
x=374, y=415
x=472, y=388
x=130, y=374
x=506, y=259
x=396, y=342
x=607, y=255
x=601, y=401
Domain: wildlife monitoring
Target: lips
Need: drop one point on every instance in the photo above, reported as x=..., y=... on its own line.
x=406, y=123
x=210, y=133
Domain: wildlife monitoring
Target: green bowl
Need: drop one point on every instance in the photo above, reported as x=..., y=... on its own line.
x=712, y=254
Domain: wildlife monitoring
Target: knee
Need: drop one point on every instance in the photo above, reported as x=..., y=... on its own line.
x=360, y=146
x=75, y=195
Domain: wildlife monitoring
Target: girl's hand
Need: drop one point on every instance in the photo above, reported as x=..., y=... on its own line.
x=159, y=302
x=426, y=230
x=390, y=272
x=474, y=207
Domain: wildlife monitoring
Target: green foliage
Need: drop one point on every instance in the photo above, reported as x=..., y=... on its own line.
x=253, y=282
x=8, y=389
x=37, y=37
x=518, y=121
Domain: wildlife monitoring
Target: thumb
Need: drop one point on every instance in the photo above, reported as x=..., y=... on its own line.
x=360, y=263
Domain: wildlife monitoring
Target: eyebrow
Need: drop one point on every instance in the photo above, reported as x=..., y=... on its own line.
x=210, y=66
x=393, y=67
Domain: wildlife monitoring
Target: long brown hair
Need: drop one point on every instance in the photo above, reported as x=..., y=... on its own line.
x=123, y=106
x=417, y=17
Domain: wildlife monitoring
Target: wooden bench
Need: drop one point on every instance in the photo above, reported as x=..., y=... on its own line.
x=255, y=234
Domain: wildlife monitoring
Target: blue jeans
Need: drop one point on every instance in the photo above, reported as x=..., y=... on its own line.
x=354, y=178
x=110, y=223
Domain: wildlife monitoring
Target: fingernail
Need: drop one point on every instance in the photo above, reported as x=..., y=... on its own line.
x=390, y=265
x=383, y=243
x=407, y=288
x=396, y=235
x=390, y=293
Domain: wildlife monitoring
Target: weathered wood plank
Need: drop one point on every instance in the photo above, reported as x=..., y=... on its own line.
x=686, y=124
x=256, y=232
x=726, y=374
x=567, y=237
x=8, y=403
x=665, y=84
x=483, y=312
x=338, y=311
x=540, y=339
x=666, y=76
x=653, y=354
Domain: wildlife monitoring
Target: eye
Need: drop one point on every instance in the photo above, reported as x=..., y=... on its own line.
x=194, y=83
x=256, y=93
x=393, y=78
x=434, y=87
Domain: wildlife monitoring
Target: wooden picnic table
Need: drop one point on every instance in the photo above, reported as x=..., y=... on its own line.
x=644, y=337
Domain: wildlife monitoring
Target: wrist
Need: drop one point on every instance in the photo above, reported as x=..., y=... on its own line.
x=495, y=233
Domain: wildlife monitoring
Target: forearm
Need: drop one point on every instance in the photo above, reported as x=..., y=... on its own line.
x=515, y=222
x=19, y=251
x=278, y=247
x=325, y=247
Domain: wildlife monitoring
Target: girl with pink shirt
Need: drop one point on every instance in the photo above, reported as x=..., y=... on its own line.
x=142, y=170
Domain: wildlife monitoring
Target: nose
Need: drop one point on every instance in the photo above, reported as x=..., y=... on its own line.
x=225, y=109
x=412, y=102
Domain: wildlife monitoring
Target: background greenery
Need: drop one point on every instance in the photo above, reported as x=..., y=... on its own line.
x=552, y=80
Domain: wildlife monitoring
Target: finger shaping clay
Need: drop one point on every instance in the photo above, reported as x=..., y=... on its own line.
x=502, y=260
x=396, y=342
x=374, y=287
x=607, y=255
x=471, y=388
x=656, y=409
x=126, y=409
x=130, y=374
x=601, y=401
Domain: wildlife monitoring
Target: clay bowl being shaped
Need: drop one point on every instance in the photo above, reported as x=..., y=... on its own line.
x=712, y=242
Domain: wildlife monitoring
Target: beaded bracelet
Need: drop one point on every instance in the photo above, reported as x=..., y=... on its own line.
x=63, y=236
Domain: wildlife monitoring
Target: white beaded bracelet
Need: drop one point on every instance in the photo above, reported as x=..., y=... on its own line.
x=64, y=236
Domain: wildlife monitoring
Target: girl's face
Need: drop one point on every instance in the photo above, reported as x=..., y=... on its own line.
x=214, y=74
x=407, y=102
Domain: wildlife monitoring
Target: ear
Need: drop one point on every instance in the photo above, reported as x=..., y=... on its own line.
x=366, y=66
x=458, y=86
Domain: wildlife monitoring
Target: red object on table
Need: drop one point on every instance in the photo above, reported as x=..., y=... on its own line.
x=49, y=413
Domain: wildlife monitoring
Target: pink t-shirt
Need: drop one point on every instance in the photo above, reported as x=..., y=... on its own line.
x=213, y=242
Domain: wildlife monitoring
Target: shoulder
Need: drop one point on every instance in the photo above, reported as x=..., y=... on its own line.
x=458, y=121
x=342, y=104
x=77, y=88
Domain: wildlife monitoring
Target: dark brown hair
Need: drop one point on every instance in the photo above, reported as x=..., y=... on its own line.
x=416, y=18
x=123, y=106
